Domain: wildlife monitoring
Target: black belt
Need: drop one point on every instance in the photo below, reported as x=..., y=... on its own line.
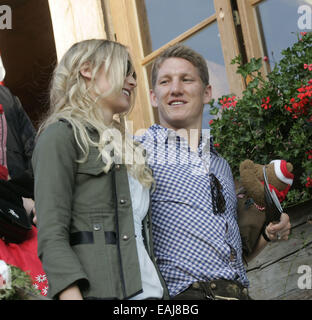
x=87, y=237
x=220, y=289
x=81, y=237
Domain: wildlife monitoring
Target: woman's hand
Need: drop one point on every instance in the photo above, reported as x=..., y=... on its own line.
x=71, y=293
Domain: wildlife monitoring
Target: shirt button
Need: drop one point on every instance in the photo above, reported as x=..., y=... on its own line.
x=117, y=166
x=125, y=237
x=96, y=227
x=195, y=285
x=213, y=285
x=122, y=201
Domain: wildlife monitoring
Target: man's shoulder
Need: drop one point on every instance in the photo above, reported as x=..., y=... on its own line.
x=6, y=98
x=5, y=91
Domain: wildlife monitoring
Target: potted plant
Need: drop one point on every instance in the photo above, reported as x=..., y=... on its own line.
x=273, y=118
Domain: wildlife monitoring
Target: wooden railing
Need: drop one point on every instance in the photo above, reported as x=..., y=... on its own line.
x=275, y=273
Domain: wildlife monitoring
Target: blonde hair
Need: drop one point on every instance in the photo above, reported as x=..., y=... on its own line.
x=71, y=99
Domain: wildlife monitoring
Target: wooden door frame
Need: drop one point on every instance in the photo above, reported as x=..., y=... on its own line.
x=251, y=32
x=130, y=28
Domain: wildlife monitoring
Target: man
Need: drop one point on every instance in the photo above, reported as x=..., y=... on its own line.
x=21, y=134
x=19, y=148
x=197, y=239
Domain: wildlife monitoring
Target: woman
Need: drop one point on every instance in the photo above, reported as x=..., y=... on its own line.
x=90, y=205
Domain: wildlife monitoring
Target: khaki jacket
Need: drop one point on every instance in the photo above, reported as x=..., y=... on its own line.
x=85, y=220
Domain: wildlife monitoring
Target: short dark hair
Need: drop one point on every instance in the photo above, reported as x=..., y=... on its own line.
x=184, y=52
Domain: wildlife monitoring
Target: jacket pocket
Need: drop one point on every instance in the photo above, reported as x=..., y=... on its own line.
x=93, y=166
x=93, y=187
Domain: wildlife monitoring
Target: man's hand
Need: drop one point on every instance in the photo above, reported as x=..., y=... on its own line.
x=280, y=230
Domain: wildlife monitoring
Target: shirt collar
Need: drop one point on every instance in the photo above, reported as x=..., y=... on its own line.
x=161, y=135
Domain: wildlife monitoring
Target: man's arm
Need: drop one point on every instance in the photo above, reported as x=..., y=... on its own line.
x=274, y=231
x=27, y=132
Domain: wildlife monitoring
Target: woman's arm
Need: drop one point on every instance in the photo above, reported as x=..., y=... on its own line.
x=54, y=163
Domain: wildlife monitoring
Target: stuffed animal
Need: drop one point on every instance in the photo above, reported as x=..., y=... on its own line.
x=250, y=195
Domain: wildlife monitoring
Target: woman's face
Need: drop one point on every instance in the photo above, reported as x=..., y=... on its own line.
x=121, y=102
x=118, y=103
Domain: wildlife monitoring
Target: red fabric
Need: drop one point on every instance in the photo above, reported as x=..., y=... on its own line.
x=4, y=173
x=24, y=256
x=284, y=170
x=280, y=194
x=3, y=140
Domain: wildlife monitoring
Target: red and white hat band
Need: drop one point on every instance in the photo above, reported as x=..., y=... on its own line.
x=280, y=168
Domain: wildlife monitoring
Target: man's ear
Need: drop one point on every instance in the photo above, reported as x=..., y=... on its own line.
x=86, y=71
x=207, y=94
x=154, y=100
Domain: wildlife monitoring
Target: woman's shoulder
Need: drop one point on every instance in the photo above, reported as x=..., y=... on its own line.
x=59, y=129
x=56, y=134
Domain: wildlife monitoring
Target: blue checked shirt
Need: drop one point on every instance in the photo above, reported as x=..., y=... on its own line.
x=191, y=243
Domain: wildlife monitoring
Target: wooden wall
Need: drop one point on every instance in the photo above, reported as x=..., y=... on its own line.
x=76, y=20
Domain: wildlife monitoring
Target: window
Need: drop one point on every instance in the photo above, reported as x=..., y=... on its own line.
x=218, y=29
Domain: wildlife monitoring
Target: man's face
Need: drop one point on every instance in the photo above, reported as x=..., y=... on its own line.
x=179, y=95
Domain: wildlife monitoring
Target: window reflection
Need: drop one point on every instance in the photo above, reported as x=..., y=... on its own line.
x=278, y=25
x=169, y=18
x=207, y=43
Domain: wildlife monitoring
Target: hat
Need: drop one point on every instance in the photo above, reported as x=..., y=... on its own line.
x=281, y=171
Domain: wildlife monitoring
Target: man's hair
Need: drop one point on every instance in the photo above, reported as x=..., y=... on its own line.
x=184, y=52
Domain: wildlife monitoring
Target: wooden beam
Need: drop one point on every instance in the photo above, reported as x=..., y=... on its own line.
x=229, y=42
x=254, y=2
x=72, y=22
x=129, y=31
x=182, y=37
x=108, y=22
x=251, y=33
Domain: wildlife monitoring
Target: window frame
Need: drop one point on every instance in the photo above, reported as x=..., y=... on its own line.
x=130, y=25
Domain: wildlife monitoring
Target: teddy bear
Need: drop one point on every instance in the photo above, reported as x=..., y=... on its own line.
x=251, y=211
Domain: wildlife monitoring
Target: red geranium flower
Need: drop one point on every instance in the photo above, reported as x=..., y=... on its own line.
x=309, y=182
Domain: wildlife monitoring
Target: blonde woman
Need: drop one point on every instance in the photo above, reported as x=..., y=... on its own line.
x=92, y=205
